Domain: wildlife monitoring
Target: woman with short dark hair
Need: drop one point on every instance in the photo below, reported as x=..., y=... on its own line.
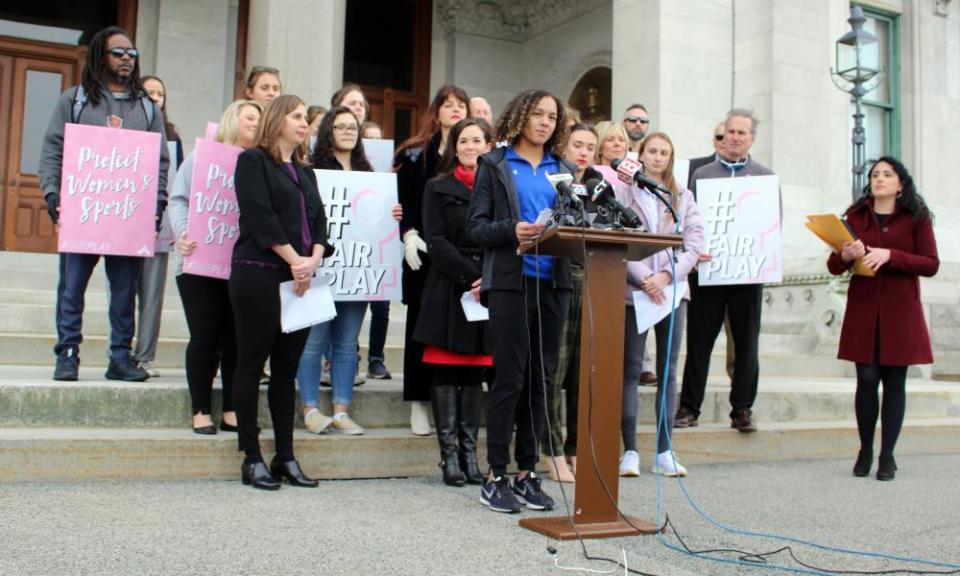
x=454, y=346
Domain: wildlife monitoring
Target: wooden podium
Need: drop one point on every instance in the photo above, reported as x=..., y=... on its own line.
x=595, y=513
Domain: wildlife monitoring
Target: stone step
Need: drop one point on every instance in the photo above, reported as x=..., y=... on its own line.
x=28, y=398
x=40, y=318
x=37, y=350
x=32, y=454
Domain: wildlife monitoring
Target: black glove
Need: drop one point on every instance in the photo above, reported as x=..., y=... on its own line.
x=161, y=206
x=53, y=202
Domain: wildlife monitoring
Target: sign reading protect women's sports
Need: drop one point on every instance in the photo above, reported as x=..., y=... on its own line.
x=367, y=260
x=214, y=217
x=741, y=229
x=108, y=191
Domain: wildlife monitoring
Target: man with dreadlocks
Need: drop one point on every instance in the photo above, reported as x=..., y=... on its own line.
x=526, y=295
x=111, y=95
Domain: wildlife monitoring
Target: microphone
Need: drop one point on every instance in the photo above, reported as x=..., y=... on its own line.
x=562, y=184
x=630, y=171
x=601, y=192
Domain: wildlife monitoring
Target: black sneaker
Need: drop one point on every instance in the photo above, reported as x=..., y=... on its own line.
x=527, y=490
x=377, y=371
x=68, y=366
x=496, y=494
x=126, y=369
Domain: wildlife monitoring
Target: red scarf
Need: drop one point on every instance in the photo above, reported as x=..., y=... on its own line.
x=464, y=175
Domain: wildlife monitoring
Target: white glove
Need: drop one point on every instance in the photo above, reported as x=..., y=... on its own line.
x=411, y=244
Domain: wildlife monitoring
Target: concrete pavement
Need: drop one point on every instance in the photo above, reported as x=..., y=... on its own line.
x=419, y=526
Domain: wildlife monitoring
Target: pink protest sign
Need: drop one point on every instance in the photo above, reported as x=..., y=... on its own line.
x=211, y=132
x=108, y=191
x=214, y=217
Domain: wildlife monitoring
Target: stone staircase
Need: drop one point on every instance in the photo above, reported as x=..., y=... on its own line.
x=94, y=429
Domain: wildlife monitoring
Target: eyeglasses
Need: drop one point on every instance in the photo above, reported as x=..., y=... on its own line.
x=718, y=137
x=636, y=119
x=133, y=53
x=345, y=128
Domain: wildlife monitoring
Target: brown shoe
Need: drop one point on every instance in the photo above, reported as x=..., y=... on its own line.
x=685, y=418
x=648, y=378
x=743, y=421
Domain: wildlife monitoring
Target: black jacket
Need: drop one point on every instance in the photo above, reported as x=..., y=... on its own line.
x=457, y=262
x=694, y=165
x=492, y=222
x=270, y=211
x=415, y=167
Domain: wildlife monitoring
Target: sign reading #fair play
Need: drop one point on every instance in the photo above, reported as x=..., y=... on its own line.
x=741, y=230
x=366, y=263
x=108, y=191
x=214, y=218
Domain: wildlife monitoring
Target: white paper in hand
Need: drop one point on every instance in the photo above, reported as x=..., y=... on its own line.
x=648, y=313
x=473, y=310
x=315, y=306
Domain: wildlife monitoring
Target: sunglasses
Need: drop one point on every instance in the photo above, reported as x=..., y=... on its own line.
x=636, y=119
x=718, y=137
x=120, y=52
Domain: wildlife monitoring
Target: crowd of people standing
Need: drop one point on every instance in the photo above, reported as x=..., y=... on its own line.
x=470, y=190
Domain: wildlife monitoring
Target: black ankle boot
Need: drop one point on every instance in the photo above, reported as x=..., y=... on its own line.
x=470, y=400
x=886, y=468
x=864, y=460
x=445, y=417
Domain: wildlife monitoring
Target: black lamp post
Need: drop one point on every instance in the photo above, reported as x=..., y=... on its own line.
x=857, y=64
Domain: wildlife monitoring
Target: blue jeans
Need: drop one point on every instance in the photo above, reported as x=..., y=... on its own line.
x=123, y=273
x=339, y=337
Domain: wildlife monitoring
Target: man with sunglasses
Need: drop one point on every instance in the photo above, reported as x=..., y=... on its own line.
x=111, y=95
x=637, y=122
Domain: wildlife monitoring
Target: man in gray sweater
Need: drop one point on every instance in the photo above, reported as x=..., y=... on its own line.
x=709, y=304
x=110, y=95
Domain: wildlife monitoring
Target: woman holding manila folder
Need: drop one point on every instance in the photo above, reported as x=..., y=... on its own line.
x=883, y=329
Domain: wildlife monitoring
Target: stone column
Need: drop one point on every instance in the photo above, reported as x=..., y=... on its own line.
x=190, y=55
x=675, y=59
x=304, y=39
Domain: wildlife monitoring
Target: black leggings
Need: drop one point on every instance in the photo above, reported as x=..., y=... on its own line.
x=213, y=341
x=255, y=297
x=869, y=377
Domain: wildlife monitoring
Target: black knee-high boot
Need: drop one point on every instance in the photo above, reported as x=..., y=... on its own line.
x=445, y=416
x=470, y=399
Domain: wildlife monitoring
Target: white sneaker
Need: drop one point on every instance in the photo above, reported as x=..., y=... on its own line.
x=146, y=367
x=316, y=421
x=630, y=463
x=420, y=418
x=343, y=424
x=665, y=463
x=359, y=378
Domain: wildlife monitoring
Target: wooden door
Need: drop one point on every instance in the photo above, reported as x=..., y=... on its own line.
x=33, y=77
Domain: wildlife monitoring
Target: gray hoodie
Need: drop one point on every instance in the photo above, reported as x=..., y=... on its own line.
x=134, y=118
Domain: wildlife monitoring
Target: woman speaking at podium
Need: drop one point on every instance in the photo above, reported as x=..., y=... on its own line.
x=527, y=295
x=883, y=330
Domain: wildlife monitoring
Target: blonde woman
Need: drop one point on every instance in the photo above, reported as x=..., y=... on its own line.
x=206, y=302
x=612, y=142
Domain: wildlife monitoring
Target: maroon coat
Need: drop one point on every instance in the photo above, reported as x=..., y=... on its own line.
x=891, y=299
